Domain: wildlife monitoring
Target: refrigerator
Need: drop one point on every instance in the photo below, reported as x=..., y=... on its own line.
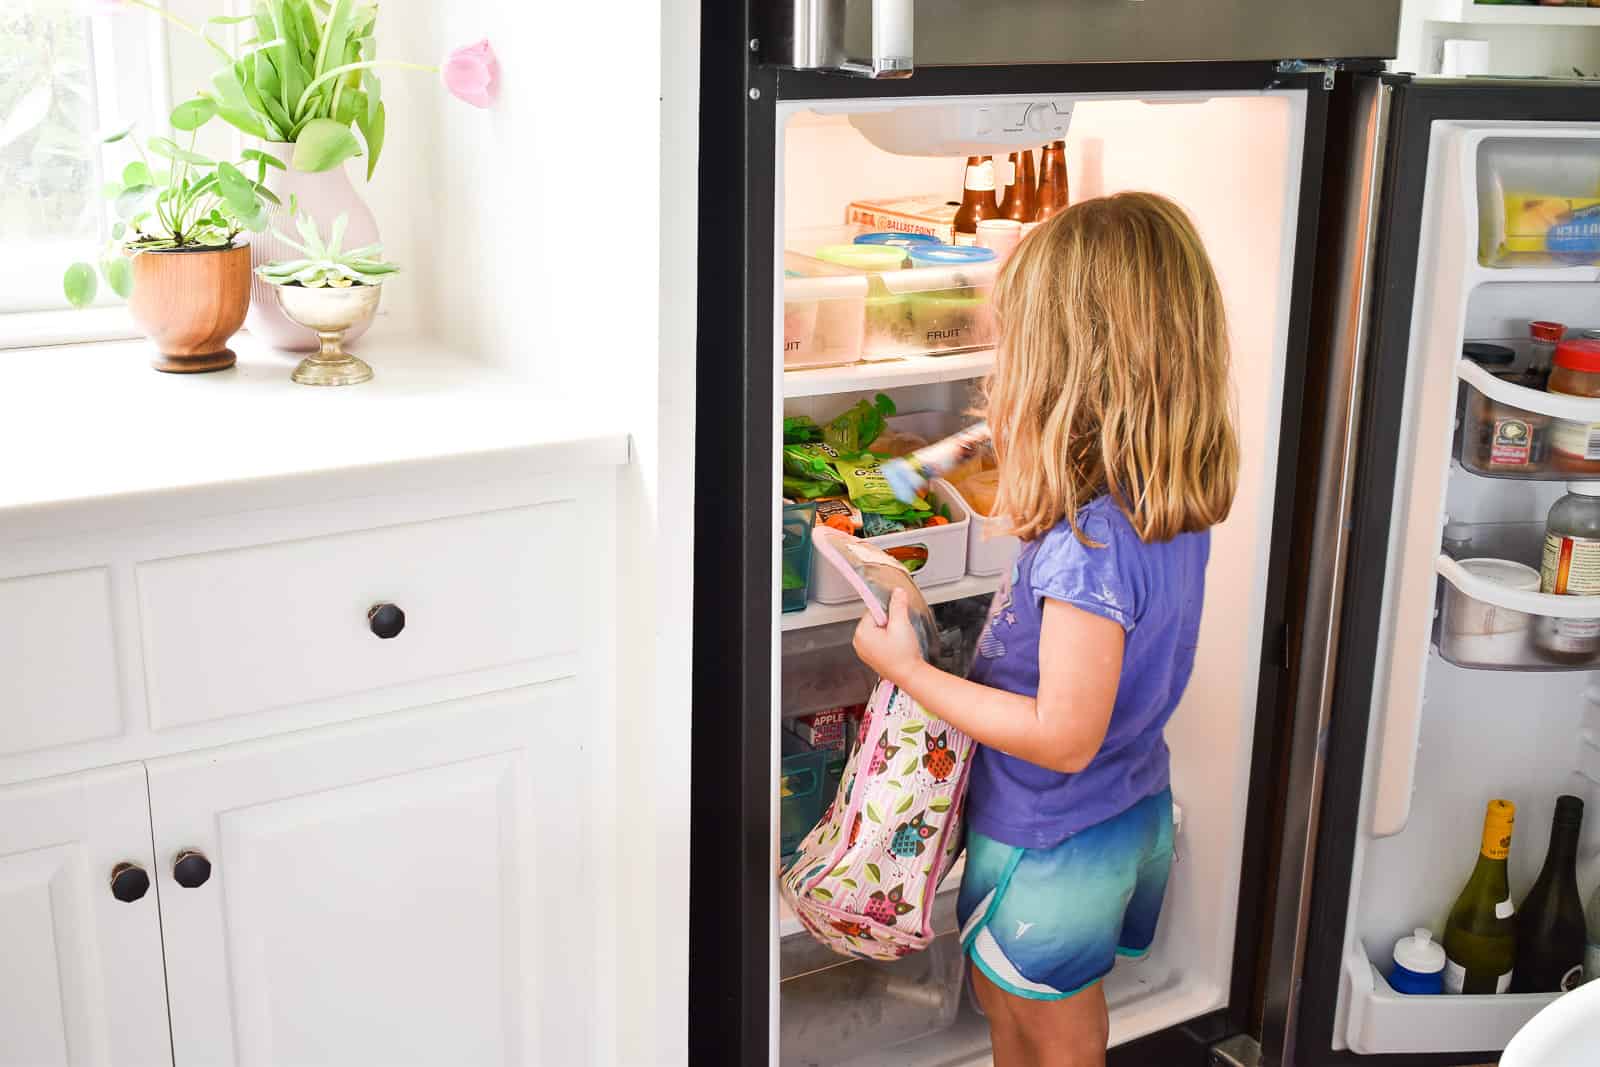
x=1330, y=763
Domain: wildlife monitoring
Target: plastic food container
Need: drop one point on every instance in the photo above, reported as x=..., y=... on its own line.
x=990, y=549
x=903, y=240
x=820, y=670
x=822, y=313
x=946, y=547
x=1575, y=443
x=941, y=310
x=799, y=793
x=1538, y=201
x=1492, y=606
x=836, y=1008
x=798, y=520
x=1511, y=430
x=873, y=258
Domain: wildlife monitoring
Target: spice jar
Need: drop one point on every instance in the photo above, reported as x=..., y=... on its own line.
x=1575, y=444
x=1501, y=438
x=1571, y=567
x=1543, y=337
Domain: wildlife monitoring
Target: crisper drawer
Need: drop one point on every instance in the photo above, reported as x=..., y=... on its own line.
x=247, y=629
x=832, y=1008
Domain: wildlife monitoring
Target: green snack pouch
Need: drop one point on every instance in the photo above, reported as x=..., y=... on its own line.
x=855, y=429
x=875, y=525
x=807, y=488
x=812, y=461
x=869, y=490
x=798, y=429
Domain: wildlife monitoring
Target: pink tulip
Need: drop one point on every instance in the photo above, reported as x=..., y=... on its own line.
x=472, y=73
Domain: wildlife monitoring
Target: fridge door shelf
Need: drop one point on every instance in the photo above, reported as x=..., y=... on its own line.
x=1511, y=431
x=1383, y=1021
x=887, y=374
x=1537, y=201
x=1485, y=624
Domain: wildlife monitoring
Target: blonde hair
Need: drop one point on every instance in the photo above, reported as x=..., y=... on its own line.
x=1111, y=374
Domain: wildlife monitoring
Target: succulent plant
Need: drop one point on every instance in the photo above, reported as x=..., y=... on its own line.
x=325, y=264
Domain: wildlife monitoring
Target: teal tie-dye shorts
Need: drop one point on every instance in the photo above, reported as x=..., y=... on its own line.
x=1045, y=923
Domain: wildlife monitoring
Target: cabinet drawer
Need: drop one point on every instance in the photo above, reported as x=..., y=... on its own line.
x=58, y=662
x=243, y=630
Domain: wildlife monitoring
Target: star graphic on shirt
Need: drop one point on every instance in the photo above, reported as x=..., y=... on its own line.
x=1011, y=618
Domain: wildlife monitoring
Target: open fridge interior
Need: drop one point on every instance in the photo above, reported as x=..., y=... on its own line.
x=1470, y=702
x=1233, y=162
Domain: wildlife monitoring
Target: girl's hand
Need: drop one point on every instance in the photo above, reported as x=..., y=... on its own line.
x=890, y=650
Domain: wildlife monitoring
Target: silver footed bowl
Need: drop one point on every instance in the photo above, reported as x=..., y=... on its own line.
x=330, y=312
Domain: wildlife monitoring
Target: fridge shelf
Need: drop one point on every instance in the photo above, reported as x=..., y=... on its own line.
x=1492, y=618
x=1382, y=1020
x=823, y=614
x=1535, y=269
x=1512, y=431
x=887, y=374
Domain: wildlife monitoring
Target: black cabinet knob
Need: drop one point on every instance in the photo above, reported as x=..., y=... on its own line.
x=129, y=882
x=191, y=869
x=386, y=620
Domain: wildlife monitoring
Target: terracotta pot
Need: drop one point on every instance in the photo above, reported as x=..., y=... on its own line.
x=189, y=302
x=324, y=196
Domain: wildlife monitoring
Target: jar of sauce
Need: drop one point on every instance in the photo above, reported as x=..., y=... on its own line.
x=1502, y=439
x=1575, y=444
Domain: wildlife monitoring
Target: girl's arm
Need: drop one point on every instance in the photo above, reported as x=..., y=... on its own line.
x=1080, y=662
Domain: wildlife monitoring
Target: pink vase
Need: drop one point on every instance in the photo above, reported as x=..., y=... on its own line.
x=324, y=196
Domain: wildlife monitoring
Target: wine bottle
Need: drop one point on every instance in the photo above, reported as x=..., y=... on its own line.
x=1550, y=928
x=1480, y=937
x=1591, y=955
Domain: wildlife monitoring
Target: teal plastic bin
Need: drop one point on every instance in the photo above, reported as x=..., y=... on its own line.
x=797, y=523
x=800, y=793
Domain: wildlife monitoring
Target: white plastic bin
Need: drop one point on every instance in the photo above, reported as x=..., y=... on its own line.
x=823, y=313
x=990, y=550
x=946, y=547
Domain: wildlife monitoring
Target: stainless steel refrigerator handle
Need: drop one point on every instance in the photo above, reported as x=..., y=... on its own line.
x=1336, y=469
x=833, y=34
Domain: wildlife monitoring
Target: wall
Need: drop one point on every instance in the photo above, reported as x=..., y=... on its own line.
x=1514, y=51
x=554, y=237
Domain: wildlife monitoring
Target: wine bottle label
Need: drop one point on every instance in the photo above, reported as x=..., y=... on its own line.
x=1572, y=979
x=1503, y=983
x=1498, y=820
x=1505, y=909
x=1571, y=565
x=1455, y=978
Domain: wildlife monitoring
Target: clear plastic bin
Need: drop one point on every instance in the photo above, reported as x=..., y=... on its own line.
x=800, y=793
x=834, y=1008
x=822, y=313
x=798, y=520
x=823, y=672
x=946, y=548
x=1509, y=430
x=1487, y=622
x=1538, y=201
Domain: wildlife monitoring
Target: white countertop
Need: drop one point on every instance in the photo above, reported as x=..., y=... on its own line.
x=93, y=425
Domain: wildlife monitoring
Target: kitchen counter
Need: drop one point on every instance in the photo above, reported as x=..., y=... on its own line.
x=90, y=434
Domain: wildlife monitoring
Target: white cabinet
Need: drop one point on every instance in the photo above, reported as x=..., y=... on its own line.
x=398, y=890
x=80, y=970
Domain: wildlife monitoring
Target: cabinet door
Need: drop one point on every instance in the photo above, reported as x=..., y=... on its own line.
x=398, y=890
x=80, y=969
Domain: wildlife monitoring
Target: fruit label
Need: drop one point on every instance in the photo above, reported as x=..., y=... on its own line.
x=1581, y=440
x=1571, y=566
x=1511, y=444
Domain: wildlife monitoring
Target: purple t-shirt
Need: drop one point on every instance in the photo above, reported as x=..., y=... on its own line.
x=1154, y=591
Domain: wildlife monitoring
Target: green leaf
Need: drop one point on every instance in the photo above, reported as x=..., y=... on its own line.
x=132, y=199
x=80, y=285
x=372, y=132
x=244, y=121
x=228, y=20
x=822, y=894
x=268, y=195
x=136, y=173
x=349, y=105
x=913, y=728
x=193, y=114
x=256, y=156
x=323, y=145
x=939, y=804
x=118, y=228
x=164, y=147
x=119, y=275
x=334, y=35
x=872, y=872
x=911, y=765
x=872, y=813
x=849, y=882
x=837, y=871
x=905, y=805
x=117, y=135
x=111, y=190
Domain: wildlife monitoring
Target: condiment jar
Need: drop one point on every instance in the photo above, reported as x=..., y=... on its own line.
x=1543, y=337
x=1501, y=438
x=1571, y=567
x=1575, y=444
x=1418, y=964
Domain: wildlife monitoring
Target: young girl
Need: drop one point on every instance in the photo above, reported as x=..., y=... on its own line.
x=1109, y=406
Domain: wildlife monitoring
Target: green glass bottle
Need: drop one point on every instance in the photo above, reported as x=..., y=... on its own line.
x=1550, y=925
x=1480, y=937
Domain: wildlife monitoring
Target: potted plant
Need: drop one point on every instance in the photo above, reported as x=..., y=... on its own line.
x=329, y=291
x=175, y=252
x=303, y=79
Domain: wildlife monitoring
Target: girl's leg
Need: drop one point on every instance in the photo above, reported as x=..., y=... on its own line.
x=1045, y=1033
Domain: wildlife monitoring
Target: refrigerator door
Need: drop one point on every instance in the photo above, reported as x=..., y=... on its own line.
x=1408, y=735
x=879, y=38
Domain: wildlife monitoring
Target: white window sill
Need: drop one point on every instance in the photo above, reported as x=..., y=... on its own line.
x=67, y=326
